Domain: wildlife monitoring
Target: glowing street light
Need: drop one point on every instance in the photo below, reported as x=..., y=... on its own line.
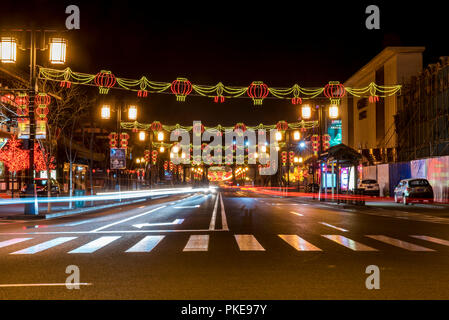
x=160, y=136
x=306, y=111
x=58, y=48
x=106, y=112
x=295, y=160
x=142, y=135
x=264, y=149
x=333, y=111
x=175, y=149
x=296, y=135
x=161, y=149
x=183, y=155
x=8, y=50
x=132, y=113
x=137, y=160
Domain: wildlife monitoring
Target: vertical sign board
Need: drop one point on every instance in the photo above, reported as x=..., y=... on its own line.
x=334, y=131
x=118, y=158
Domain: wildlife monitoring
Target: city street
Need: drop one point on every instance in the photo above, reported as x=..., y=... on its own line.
x=230, y=244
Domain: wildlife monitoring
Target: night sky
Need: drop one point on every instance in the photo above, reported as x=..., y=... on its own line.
x=278, y=42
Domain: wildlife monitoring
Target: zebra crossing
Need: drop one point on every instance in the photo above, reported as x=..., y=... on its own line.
x=243, y=242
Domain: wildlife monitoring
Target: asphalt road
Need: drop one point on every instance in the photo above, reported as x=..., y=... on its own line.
x=239, y=245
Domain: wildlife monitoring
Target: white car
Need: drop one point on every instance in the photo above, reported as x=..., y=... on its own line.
x=370, y=187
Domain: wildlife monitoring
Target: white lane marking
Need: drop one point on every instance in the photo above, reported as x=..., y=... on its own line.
x=146, y=244
x=12, y=241
x=127, y=219
x=349, y=243
x=176, y=221
x=399, y=243
x=198, y=242
x=298, y=243
x=44, y=245
x=224, y=222
x=214, y=214
x=432, y=239
x=331, y=226
x=247, y=242
x=95, y=245
x=297, y=213
x=15, y=285
x=185, y=207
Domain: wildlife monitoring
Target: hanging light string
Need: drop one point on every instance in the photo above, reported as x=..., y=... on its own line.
x=182, y=87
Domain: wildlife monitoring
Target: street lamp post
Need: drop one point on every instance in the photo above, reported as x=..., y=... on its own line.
x=57, y=55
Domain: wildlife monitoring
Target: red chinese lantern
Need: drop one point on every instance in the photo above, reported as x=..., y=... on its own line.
x=373, y=99
x=42, y=100
x=146, y=155
x=334, y=90
x=112, y=140
x=296, y=100
x=142, y=93
x=326, y=141
x=65, y=83
x=258, y=91
x=181, y=87
x=22, y=102
x=240, y=126
x=291, y=157
x=156, y=126
x=284, y=157
x=282, y=126
x=219, y=99
x=104, y=80
x=154, y=156
x=165, y=165
x=124, y=140
x=315, y=143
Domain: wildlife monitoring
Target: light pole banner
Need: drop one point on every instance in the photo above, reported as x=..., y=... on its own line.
x=118, y=158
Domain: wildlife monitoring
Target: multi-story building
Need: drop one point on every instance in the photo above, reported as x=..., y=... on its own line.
x=423, y=114
x=369, y=127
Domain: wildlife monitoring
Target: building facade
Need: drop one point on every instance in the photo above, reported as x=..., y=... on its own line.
x=422, y=120
x=369, y=127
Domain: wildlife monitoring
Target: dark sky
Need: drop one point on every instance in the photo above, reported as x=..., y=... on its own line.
x=278, y=42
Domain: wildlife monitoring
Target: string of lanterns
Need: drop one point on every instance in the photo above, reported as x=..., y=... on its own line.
x=182, y=87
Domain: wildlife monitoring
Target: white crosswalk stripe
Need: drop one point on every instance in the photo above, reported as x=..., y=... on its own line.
x=12, y=241
x=146, y=244
x=349, y=243
x=298, y=243
x=399, y=243
x=247, y=242
x=44, y=246
x=95, y=245
x=198, y=242
x=432, y=239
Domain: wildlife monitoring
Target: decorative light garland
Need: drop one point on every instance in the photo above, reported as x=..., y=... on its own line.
x=182, y=88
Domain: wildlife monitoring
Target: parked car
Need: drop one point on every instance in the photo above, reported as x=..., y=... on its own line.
x=370, y=187
x=42, y=187
x=413, y=190
x=313, y=188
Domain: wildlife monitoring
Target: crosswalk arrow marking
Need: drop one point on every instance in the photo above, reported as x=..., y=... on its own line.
x=141, y=225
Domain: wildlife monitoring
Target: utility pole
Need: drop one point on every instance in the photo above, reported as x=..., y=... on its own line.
x=31, y=208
